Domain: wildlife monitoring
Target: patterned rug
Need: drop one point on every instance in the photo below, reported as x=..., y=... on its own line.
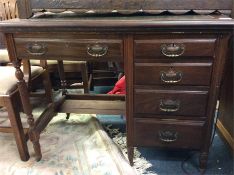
x=141, y=165
x=78, y=146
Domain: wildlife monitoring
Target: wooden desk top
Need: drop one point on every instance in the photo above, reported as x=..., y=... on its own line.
x=122, y=23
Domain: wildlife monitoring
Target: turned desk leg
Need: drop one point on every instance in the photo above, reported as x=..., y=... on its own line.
x=130, y=155
x=24, y=94
x=203, y=162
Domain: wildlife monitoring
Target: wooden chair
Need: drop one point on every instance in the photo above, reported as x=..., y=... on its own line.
x=9, y=93
x=64, y=67
x=71, y=67
x=9, y=10
x=9, y=98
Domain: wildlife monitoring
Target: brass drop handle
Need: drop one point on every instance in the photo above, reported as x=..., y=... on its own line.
x=169, y=105
x=173, y=50
x=168, y=136
x=97, y=50
x=36, y=49
x=171, y=76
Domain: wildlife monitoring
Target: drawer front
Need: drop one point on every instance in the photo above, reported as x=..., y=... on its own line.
x=173, y=73
x=80, y=49
x=172, y=134
x=170, y=102
x=173, y=48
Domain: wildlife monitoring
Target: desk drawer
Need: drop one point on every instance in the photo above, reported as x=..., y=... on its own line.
x=174, y=48
x=80, y=49
x=170, y=102
x=173, y=73
x=172, y=134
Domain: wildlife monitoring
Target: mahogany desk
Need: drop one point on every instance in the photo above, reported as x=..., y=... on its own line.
x=173, y=67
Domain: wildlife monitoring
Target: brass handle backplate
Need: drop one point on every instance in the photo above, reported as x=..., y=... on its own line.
x=97, y=50
x=168, y=136
x=169, y=105
x=173, y=50
x=171, y=76
x=36, y=49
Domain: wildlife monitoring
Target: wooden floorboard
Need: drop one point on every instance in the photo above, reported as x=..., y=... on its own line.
x=226, y=134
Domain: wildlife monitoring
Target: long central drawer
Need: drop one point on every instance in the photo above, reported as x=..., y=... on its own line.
x=77, y=48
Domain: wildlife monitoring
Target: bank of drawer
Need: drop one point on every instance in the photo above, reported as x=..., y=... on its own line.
x=170, y=102
x=172, y=48
x=172, y=134
x=172, y=73
x=82, y=49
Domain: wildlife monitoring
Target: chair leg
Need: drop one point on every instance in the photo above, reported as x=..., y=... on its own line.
x=47, y=86
x=90, y=70
x=85, y=79
x=63, y=82
x=68, y=116
x=17, y=127
x=62, y=77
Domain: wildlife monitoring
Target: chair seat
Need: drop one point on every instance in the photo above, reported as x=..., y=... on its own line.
x=4, y=58
x=9, y=81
